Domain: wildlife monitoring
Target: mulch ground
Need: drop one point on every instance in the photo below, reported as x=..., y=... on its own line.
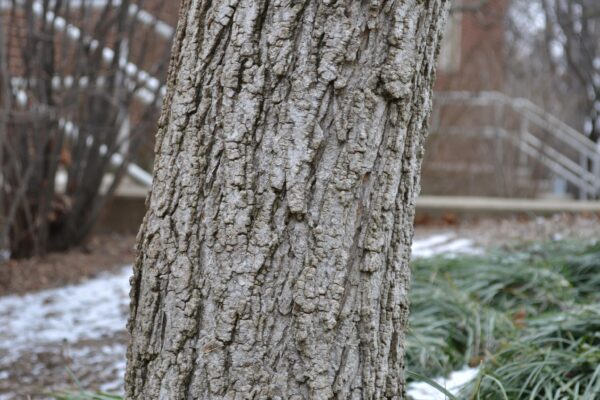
x=100, y=253
x=92, y=364
x=490, y=232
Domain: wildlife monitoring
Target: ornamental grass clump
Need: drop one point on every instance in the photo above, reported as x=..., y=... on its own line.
x=529, y=316
x=556, y=357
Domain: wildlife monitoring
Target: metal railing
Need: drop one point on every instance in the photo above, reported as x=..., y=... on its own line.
x=562, y=150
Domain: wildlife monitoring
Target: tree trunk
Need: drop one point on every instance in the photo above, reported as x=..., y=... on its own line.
x=273, y=260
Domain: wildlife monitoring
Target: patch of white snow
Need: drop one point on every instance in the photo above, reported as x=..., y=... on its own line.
x=442, y=244
x=453, y=384
x=90, y=310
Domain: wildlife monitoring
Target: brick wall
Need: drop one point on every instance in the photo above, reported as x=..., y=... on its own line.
x=481, y=65
x=14, y=33
x=468, y=165
x=166, y=10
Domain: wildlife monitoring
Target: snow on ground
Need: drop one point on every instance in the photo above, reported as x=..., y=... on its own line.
x=444, y=243
x=94, y=312
x=456, y=380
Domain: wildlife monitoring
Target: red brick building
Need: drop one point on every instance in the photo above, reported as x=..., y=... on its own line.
x=471, y=59
x=472, y=53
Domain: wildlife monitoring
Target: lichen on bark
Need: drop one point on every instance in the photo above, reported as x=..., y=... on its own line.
x=273, y=260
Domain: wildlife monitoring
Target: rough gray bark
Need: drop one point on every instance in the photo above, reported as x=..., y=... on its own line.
x=273, y=260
